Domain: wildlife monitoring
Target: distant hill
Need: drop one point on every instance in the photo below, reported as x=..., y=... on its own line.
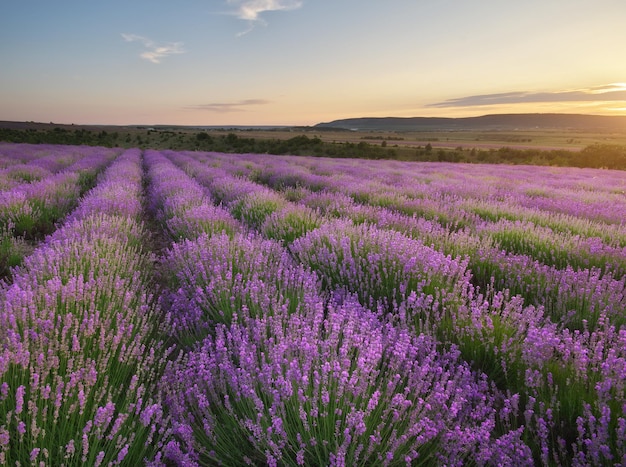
x=486, y=122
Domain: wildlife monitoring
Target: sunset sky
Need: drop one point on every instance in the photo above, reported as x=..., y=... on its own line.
x=301, y=62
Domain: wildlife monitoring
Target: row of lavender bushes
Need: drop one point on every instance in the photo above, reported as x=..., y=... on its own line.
x=41, y=191
x=34, y=205
x=278, y=372
x=81, y=352
x=325, y=313
x=558, y=346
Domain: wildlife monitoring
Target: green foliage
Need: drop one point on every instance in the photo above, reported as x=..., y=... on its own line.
x=290, y=223
x=254, y=208
x=558, y=250
x=12, y=250
x=607, y=156
x=595, y=156
x=204, y=137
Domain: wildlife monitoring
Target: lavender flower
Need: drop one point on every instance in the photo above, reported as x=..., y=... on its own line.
x=80, y=343
x=290, y=223
x=378, y=265
x=329, y=391
x=216, y=278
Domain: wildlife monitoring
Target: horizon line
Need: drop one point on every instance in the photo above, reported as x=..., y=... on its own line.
x=226, y=125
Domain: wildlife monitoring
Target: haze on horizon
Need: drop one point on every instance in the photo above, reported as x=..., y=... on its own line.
x=301, y=62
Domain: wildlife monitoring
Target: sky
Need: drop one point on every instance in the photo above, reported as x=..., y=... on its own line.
x=301, y=62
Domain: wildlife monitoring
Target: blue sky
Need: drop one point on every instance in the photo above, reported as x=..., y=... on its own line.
x=300, y=62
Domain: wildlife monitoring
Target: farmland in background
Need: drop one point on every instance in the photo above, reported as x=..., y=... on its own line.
x=171, y=307
x=601, y=148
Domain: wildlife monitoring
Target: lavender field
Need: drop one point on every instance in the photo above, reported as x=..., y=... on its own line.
x=191, y=308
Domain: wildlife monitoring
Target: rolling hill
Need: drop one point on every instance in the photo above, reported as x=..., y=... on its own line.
x=485, y=122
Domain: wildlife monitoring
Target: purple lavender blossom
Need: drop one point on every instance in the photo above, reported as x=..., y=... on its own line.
x=215, y=278
x=378, y=265
x=80, y=341
x=332, y=389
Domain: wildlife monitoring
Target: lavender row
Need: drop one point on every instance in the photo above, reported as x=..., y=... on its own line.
x=425, y=405
x=243, y=295
x=582, y=193
x=560, y=387
x=27, y=163
x=334, y=387
x=461, y=197
x=33, y=208
x=611, y=233
x=24, y=163
x=556, y=249
x=183, y=206
x=255, y=206
x=381, y=266
x=82, y=355
x=572, y=298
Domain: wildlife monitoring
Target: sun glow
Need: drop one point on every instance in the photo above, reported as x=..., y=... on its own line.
x=613, y=87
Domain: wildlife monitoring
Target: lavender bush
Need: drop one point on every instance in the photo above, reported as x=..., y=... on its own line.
x=182, y=205
x=34, y=208
x=290, y=223
x=557, y=249
x=12, y=249
x=81, y=353
x=337, y=390
x=255, y=207
x=380, y=266
x=215, y=278
x=572, y=298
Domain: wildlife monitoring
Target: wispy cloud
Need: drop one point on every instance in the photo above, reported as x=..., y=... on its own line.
x=154, y=52
x=225, y=107
x=603, y=93
x=251, y=10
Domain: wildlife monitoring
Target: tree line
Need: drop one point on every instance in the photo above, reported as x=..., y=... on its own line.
x=595, y=156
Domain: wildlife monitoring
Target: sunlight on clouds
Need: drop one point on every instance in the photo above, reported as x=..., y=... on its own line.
x=594, y=90
x=615, y=92
x=225, y=107
x=613, y=87
x=155, y=52
x=250, y=10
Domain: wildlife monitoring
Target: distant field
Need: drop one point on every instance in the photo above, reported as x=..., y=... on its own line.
x=157, y=136
x=565, y=148
x=540, y=139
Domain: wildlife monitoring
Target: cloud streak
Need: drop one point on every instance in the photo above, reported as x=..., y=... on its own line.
x=604, y=93
x=251, y=10
x=154, y=52
x=226, y=107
